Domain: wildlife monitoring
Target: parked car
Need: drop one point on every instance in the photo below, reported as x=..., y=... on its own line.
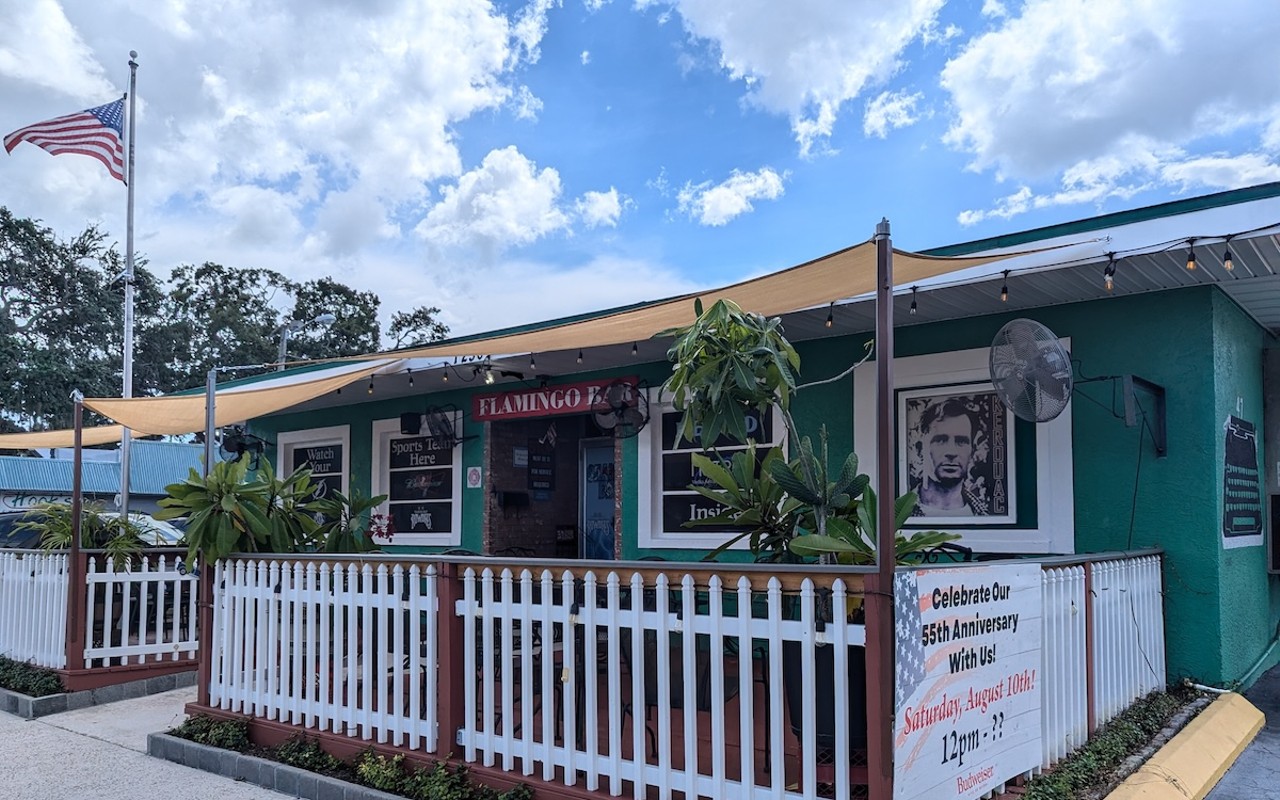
x=13, y=537
x=154, y=532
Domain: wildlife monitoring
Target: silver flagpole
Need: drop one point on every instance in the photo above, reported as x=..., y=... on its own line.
x=128, y=291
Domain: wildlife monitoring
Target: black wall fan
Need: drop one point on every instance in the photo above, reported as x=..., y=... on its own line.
x=622, y=408
x=235, y=443
x=1033, y=377
x=437, y=421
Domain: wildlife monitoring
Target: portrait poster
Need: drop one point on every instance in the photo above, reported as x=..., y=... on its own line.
x=956, y=452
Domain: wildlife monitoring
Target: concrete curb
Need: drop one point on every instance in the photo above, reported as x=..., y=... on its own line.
x=262, y=772
x=32, y=707
x=1193, y=761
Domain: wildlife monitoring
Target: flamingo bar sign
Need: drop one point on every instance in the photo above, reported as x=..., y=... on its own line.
x=545, y=401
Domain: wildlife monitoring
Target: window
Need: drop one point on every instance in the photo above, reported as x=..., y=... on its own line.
x=326, y=450
x=992, y=522
x=422, y=478
x=666, y=472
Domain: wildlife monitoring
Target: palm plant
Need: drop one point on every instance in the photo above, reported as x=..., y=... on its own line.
x=730, y=362
x=119, y=537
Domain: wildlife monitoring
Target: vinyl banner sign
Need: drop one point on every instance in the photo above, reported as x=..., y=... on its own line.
x=545, y=401
x=967, y=711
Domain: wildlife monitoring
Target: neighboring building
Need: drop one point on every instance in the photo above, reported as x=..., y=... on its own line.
x=534, y=468
x=26, y=482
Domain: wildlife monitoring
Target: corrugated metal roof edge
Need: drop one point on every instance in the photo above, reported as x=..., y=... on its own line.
x=1173, y=208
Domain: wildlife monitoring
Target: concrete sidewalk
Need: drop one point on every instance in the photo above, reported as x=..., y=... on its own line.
x=100, y=753
x=1256, y=773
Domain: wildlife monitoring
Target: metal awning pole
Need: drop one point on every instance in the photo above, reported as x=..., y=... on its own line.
x=204, y=671
x=879, y=598
x=77, y=579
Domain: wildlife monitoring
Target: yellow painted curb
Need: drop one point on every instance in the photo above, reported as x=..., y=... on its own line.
x=1193, y=761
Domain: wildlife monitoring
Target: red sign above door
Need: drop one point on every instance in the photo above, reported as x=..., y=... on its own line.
x=547, y=401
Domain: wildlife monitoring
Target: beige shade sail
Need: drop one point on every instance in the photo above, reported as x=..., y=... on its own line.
x=847, y=273
x=172, y=415
x=99, y=434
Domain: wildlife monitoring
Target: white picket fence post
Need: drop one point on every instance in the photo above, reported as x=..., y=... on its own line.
x=144, y=613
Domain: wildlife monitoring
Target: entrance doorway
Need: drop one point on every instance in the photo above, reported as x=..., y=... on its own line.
x=597, y=512
x=550, y=485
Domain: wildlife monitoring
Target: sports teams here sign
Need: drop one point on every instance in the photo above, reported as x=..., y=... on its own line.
x=967, y=711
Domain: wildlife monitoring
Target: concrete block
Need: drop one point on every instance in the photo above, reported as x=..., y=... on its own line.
x=210, y=759
x=308, y=785
x=286, y=780
x=79, y=700
x=248, y=769
x=330, y=789
x=108, y=694
x=227, y=763
x=133, y=689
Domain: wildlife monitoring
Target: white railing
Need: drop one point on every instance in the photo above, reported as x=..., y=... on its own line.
x=1128, y=633
x=588, y=674
x=33, y=607
x=341, y=647
x=1064, y=696
x=145, y=613
x=1127, y=643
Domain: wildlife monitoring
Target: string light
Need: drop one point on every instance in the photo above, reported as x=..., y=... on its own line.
x=830, y=314
x=579, y=356
x=1191, y=254
x=444, y=376
x=532, y=364
x=1226, y=256
x=1108, y=273
x=370, y=384
x=913, y=301
x=635, y=349
x=410, y=377
x=488, y=375
x=1004, y=288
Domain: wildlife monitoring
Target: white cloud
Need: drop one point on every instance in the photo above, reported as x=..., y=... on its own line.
x=602, y=208
x=1221, y=172
x=506, y=201
x=994, y=8
x=525, y=104
x=807, y=65
x=531, y=26
x=890, y=110
x=718, y=204
x=585, y=58
x=1071, y=82
x=594, y=5
x=40, y=47
x=1006, y=207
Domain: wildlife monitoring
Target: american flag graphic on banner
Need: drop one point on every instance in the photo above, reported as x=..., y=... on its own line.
x=96, y=132
x=910, y=650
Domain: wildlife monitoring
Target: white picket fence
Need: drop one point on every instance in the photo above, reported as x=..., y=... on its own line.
x=601, y=675
x=338, y=647
x=604, y=660
x=1127, y=643
x=144, y=613
x=33, y=607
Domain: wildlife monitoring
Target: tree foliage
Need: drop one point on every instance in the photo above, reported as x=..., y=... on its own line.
x=62, y=322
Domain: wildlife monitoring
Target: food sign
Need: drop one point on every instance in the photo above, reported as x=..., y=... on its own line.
x=967, y=711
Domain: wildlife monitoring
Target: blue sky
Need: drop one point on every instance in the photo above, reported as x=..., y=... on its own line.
x=516, y=161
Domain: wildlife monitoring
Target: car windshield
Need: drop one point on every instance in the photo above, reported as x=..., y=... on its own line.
x=153, y=531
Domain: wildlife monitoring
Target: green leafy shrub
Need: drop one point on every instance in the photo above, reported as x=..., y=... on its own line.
x=121, y=538
x=380, y=772
x=306, y=753
x=228, y=734
x=28, y=679
x=1092, y=766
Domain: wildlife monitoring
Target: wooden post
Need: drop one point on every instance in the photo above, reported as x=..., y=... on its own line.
x=77, y=564
x=204, y=579
x=451, y=688
x=879, y=595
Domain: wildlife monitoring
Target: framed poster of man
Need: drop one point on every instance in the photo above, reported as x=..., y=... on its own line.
x=957, y=454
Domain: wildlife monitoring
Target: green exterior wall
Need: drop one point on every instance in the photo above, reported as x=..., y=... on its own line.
x=1220, y=605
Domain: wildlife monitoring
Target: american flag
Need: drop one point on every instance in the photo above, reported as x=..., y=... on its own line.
x=95, y=132
x=910, y=650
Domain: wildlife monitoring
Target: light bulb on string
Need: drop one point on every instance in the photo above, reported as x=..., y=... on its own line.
x=579, y=356
x=1004, y=288
x=635, y=349
x=831, y=315
x=1191, y=254
x=532, y=363
x=370, y=384
x=444, y=376
x=1108, y=273
x=913, y=301
x=1227, y=263
x=488, y=375
x=410, y=377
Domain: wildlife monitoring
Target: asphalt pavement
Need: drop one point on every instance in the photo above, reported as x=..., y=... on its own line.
x=1256, y=773
x=100, y=753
